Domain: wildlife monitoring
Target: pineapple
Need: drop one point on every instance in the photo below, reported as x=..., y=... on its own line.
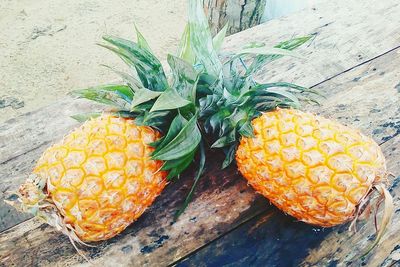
x=98, y=179
x=312, y=168
x=103, y=175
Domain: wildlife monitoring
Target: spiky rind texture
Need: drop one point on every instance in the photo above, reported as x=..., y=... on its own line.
x=312, y=168
x=101, y=176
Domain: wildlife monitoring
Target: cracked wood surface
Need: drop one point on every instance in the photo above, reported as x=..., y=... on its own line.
x=223, y=201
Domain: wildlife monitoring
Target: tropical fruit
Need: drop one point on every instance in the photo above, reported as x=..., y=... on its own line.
x=98, y=179
x=103, y=175
x=312, y=168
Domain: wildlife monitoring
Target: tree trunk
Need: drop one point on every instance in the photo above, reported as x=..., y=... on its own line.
x=239, y=14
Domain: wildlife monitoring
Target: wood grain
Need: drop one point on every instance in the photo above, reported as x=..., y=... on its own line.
x=347, y=33
x=223, y=201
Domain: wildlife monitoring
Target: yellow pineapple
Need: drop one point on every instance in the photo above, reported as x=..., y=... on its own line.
x=98, y=179
x=103, y=175
x=312, y=168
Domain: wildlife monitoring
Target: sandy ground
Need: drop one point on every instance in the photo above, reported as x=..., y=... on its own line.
x=47, y=48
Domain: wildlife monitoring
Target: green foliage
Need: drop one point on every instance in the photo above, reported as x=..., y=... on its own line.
x=218, y=39
x=184, y=78
x=147, y=66
x=185, y=141
x=118, y=96
x=169, y=99
x=143, y=95
x=203, y=94
x=197, y=177
x=201, y=41
x=141, y=41
x=85, y=116
x=129, y=79
x=184, y=50
x=262, y=60
x=230, y=155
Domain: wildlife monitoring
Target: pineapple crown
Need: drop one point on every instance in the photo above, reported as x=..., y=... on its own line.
x=204, y=93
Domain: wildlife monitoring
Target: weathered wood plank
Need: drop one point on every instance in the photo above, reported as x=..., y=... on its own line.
x=273, y=239
x=351, y=35
x=223, y=200
x=347, y=33
x=367, y=98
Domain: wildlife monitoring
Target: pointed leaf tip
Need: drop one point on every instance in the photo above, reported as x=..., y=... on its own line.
x=143, y=95
x=141, y=40
x=183, y=143
x=219, y=38
x=169, y=99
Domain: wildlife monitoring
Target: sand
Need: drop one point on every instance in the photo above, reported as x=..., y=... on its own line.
x=48, y=48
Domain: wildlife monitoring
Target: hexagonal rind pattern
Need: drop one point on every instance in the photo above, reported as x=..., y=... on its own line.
x=312, y=168
x=101, y=176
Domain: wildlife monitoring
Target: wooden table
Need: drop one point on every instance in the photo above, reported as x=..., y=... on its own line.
x=354, y=60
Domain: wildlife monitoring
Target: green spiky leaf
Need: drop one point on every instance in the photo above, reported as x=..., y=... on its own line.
x=218, y=39
x=156, y=119
x=114, y=95
x=261, y=60
x=141, y=41
x=185, y=51
x=199, y=172
x=148, y=67
x=225, y=140
x=246, y=130
x=132, y=82
x=184, y=78
x=169, y=99
x=176, y=126
x=268, y=51
x=230, y=156
x=85, y=116
x=183, y=143
x=177, y=166
x=296, y=87
x=201, y=40
x=143, y=95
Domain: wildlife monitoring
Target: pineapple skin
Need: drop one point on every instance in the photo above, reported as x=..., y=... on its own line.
x=101, y=176
x=314, y=169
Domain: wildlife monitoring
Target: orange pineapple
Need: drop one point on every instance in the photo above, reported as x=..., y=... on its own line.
x=103, y=175
x=312, y=168
x=98, y=179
